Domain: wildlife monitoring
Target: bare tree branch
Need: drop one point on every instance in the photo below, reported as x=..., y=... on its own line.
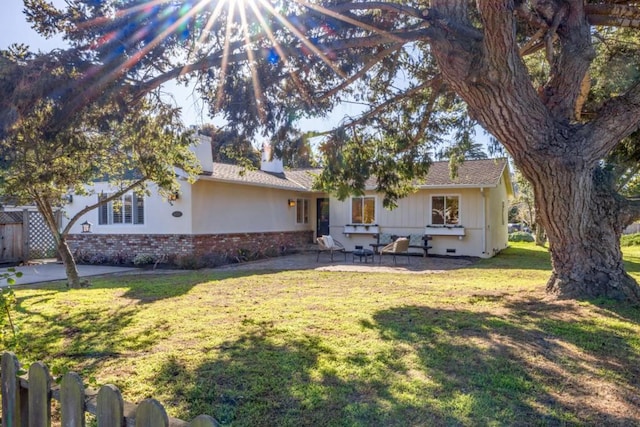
x=100, y=202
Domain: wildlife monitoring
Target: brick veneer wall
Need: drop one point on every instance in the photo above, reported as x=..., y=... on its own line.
x=117, y=245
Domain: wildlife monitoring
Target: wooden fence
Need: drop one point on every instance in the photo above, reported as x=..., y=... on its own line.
x=26, y=402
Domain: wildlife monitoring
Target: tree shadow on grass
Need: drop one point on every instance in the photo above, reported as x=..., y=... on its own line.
x=148, y=288
x=438, y=367
x=88, y=337
x=508, y=374
x=264, y=379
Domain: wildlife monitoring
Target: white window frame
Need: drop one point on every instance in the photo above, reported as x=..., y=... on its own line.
x=445, y=199
x=109, y=210
x=375, y=209
x=305, y=206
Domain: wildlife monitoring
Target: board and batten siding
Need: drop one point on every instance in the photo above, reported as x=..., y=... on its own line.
x=414, y=213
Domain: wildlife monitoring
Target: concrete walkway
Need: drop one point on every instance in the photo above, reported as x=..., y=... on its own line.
x=53, y=271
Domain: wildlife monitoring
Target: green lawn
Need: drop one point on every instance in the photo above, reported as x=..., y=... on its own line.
x=477, y=346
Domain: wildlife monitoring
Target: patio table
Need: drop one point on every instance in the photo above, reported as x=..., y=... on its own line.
x=363, y=253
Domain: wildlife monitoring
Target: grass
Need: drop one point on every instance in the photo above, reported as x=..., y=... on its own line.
x=476, y=346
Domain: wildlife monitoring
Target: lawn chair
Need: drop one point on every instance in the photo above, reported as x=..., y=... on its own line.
x=331, y=245
x=398, y=247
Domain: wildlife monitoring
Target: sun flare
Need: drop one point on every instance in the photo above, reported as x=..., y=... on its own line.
x=217, y=33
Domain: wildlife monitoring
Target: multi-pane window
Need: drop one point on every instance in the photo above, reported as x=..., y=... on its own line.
x=126, y=209
x=363, y=210
x=302, y=211
x=445, y=210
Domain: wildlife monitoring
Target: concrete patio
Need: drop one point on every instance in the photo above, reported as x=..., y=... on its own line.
x=307, y=261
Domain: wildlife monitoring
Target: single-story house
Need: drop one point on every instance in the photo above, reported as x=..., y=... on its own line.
x=272, y=210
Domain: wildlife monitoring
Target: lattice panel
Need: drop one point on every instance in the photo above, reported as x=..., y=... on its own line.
x=10, y=217
x=41, y=242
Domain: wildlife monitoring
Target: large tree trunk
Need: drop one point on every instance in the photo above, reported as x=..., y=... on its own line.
x=581, y=216
x=558, y=154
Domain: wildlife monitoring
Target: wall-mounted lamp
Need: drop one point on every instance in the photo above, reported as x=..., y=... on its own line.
x=174, y=196
x=292, y=203
x=68, y=198
x=86, y=227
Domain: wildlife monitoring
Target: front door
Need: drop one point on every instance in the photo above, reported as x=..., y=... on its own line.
x=322, y=209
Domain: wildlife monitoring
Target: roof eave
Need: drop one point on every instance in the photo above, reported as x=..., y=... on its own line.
x=253, y=184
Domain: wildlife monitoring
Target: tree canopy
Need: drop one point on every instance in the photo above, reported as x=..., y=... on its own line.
x=555, y=81
x=43, y=163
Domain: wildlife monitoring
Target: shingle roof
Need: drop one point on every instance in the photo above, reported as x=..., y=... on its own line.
x=471, y=173
x=299, y=180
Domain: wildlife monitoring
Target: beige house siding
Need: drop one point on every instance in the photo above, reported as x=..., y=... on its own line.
x=220, y=207
x=160, y=216
x=498, y=218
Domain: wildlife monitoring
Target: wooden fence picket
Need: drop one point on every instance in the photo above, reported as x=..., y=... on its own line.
x=204, y=421
x=10, y=390
x=39, y=396
x=26, y=402
x=110, y=410
x=72, y=401
x=150, y=413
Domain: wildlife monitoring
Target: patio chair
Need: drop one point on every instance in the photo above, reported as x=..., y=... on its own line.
x=398, y=247
x=331, y=245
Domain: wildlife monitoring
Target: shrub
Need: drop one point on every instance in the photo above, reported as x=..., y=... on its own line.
x=272, y=252
x=96, y=259
x=143, y=259
x=188, y=262
x=214, y=259
x=521, y=236
x=120, y=258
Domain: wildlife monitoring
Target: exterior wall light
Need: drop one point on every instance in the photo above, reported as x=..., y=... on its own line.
x=86, y=227
x=292, y=203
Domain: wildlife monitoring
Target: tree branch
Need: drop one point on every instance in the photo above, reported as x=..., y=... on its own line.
x=101, y=202
x=611, y=21
x=382, y=6
x=375, y=60
x=612, y=11
x=398, y=98
x=215, y=59
x=629, y=212
x=617, y=119
x=568, y=69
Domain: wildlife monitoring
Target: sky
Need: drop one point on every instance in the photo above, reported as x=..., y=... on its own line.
x=15, y=29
